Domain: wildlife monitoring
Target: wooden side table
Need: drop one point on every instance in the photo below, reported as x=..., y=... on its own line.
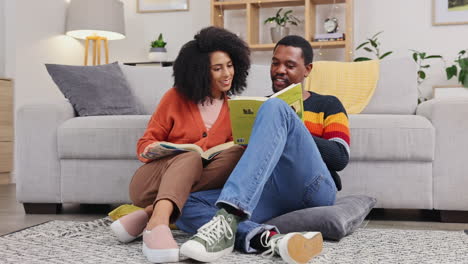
x=6, y=129
x=151, y=63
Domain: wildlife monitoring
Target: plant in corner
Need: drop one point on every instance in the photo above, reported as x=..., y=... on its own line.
x=462, y=72
x=281, y=21
x=158, y=51
x=420, y=59
x=372, y=45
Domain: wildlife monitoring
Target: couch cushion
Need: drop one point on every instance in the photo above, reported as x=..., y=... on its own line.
x=95, y=90
x=334, y=222
x=396, y=91
x=101, y=137
x=391, y=138
x=148, y=83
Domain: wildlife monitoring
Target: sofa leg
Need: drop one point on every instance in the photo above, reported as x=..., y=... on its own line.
x=453, y=216
x=42, y=208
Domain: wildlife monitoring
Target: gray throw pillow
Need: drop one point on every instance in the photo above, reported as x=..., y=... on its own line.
x=95, y=90
x=334, y=222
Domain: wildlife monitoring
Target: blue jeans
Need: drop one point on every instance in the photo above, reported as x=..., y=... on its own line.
x=280, y=171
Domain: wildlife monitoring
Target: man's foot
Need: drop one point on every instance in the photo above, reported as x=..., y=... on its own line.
x=294, y=247
x=130, y=226
x=159, y=245
x=213, y=240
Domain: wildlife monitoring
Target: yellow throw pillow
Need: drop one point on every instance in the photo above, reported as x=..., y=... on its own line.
x=353, y=83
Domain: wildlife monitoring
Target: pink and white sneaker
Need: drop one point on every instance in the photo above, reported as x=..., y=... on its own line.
x=159, y=245
x=129, y=227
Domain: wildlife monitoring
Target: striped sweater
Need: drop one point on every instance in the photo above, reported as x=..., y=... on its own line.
x=327, y=121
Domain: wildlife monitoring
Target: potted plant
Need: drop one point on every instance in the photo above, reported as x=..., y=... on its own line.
x=462, y=73
x=372, y=45
x=280, y=30
x=158, y=51
x=420, y=58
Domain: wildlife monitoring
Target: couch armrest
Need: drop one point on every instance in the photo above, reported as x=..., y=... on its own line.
x=37, y=162
x=450, y=167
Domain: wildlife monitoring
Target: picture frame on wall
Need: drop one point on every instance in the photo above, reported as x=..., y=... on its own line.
x=152, y=6
x=449, y=12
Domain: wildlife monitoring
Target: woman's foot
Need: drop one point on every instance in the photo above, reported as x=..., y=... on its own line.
x=159, y=245
x=129, y=227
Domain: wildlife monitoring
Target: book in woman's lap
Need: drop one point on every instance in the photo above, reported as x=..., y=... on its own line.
x=163, y=149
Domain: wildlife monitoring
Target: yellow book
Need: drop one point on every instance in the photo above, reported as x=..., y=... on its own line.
x=163, y=149
x=243, y=110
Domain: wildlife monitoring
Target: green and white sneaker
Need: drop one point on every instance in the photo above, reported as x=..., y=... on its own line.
x=294, y=247
x=213, y=240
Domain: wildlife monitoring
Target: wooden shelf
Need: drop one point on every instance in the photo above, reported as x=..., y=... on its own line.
x=253, y=7
x=324, y=44
x=231, y=5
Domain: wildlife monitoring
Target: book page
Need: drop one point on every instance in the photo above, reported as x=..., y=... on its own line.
x=163, y=149
x=212, y=152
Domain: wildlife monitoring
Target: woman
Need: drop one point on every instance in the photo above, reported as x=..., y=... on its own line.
x=195, y=110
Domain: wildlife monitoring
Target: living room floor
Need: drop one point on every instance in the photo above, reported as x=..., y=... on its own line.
x=13, y=218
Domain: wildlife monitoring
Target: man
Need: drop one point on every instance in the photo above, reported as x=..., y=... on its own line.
x=288, y=165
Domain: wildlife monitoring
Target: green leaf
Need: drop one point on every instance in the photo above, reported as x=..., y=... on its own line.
x=386, y=54
x=463, y=63
x=367, y=49
x=362, y=45
x=451, y=71
x=373, y=43
x=287, y=13
x=378, y=33
x=462, y=52
x=362, y=59
x=425, y=66
x=415, y=57
x=434, y=57
x=278, y=13
x=422, y=55
x=461, y=77
x=422, y=75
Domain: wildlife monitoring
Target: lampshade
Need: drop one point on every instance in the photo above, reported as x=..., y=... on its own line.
x=104, y=18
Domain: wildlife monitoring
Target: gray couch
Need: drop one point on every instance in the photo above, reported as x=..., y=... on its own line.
x=406, y=156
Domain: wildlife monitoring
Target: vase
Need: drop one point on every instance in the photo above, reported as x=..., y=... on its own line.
x=157, y=54
x=278, y=32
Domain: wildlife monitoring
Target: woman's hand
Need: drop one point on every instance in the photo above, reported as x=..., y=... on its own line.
x=146, y=152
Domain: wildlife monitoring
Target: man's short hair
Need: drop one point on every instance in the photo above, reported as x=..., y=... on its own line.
x=298, y=42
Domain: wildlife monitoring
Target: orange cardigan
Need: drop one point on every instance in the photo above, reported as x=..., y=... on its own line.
x=179, y=121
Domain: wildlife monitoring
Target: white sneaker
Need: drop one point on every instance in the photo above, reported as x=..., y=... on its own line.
x=294, y=247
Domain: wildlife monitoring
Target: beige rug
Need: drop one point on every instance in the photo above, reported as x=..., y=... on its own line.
x=92, y=242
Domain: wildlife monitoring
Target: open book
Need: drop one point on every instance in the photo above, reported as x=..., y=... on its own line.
x=243, y=110
x=163, y=149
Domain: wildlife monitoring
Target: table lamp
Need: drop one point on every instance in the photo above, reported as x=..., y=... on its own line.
x=97, y=21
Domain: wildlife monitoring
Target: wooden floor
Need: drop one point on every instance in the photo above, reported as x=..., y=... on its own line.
x=13, y=218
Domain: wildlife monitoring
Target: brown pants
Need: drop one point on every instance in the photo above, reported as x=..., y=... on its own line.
x=175, y=177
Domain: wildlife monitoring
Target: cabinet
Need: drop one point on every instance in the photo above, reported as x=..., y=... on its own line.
x=253, y=7
x=6, y=129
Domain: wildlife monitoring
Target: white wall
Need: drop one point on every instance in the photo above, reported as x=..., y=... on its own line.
x=2, y=38
x=408, y=25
